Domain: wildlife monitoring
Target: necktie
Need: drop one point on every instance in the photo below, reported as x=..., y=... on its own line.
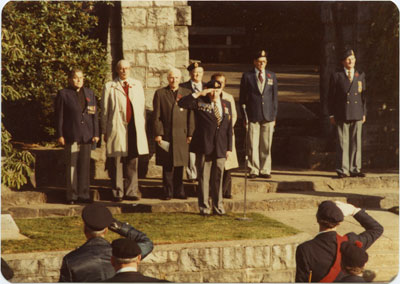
x=349, y=75
x=217, y=114
x=128, y=102
x=260, y=77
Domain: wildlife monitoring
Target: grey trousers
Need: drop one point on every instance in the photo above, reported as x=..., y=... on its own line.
x=128, y=169
x=259, y=147
x=191, y=171
x=210, y=171
x=77, y=170
x=348, y=151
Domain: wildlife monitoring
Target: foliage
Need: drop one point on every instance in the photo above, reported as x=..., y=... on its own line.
x=16, y=165
x=41, y=42
x=64, y=233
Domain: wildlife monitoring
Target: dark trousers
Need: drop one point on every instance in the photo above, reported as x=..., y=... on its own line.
x=172, y=181
x=227, y=183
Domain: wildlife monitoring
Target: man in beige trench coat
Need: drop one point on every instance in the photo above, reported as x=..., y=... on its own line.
x=123, y=126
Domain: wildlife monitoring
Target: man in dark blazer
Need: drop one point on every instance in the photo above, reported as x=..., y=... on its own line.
x=347, y=110
x=319, y=259
x=212, y=143
x=125, y=259
x=77, y=129
x=173, y=127
x=259, y=92
x=195, y=84
x=91, y=261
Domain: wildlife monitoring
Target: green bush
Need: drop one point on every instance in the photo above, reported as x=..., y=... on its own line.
x=41, y=42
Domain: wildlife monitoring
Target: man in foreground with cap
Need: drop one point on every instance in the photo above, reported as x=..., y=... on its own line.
x=195, y=84
x=91, y=261
x=354, y=258
x=347, y=111
x=125, y=259
x=259, y=93
x=319, y=259
x=212, y=143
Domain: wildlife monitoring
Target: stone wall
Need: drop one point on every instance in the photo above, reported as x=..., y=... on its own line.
x=270, y=260
x=154, y=38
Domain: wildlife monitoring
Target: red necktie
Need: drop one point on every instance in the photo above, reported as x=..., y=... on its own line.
x=128, y=103
x=260, y=77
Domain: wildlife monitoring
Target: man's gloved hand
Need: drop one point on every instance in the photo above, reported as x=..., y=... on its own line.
x=347, y=209
x=120, y=228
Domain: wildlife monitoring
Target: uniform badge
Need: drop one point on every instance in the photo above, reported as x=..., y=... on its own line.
x=360, y=88
x=270, y=82
x=91, y=109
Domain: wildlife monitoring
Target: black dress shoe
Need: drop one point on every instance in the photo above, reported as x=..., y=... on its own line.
x=361, y=175
x=84, y=200
x=180, y=196
x=228, y=196
x=117, y=199
x=342, y=175
x=70, y=202
x=167, y=197
x=265, y=176
x=132, y=198
x=192, y=180
x=252, y=175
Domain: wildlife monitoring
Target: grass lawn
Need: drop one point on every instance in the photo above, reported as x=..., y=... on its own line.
x=66, y=233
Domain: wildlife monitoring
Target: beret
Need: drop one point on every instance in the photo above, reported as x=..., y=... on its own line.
x=213, y=84
x=347, y=53
x=328, y=211
x=125, y=248
x=193, y=65
x=97, y=217
x=260, y=53
x=353, y=255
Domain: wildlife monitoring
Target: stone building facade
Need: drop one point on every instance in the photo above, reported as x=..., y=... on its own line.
x=153, y=36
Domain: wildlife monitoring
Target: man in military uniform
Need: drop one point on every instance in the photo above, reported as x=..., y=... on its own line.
x=91, y=261
x=195, y=84
x=347, y=110
x=126, y=256
x=259, y=92
x=173, y=126
x=319, y=259
x=77, y=129
x=212, y=143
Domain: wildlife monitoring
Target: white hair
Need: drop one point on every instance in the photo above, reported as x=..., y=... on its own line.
x=120, y=63
x=175, y=71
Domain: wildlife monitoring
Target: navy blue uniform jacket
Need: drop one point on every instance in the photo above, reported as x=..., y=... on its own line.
x=347, y=100
x=260, y=106
x=73, y=124
x=207, y=136
x=319, y=254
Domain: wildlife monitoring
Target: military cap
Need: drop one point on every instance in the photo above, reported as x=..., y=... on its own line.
x=347, y=53
x=193, y=65
x=328, y=211
x=260, y=53
x=97, y=217
x=125, y=248
x=213, y=84
x=353, y=255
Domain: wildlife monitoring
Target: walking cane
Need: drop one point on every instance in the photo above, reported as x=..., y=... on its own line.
x=244, y=218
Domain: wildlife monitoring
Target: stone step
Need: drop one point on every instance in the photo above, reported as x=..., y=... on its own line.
x=256, y=202
x=385, y=274
x=383, y=259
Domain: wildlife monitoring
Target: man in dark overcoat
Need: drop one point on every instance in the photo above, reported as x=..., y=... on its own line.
x=319, y=259
x=212, y=143
x=195, y=84
x=259, y=92
x=77, y=129
x=347, y=110
x=173, y=127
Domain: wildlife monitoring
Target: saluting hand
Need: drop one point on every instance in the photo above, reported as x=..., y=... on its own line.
x=61, y=141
